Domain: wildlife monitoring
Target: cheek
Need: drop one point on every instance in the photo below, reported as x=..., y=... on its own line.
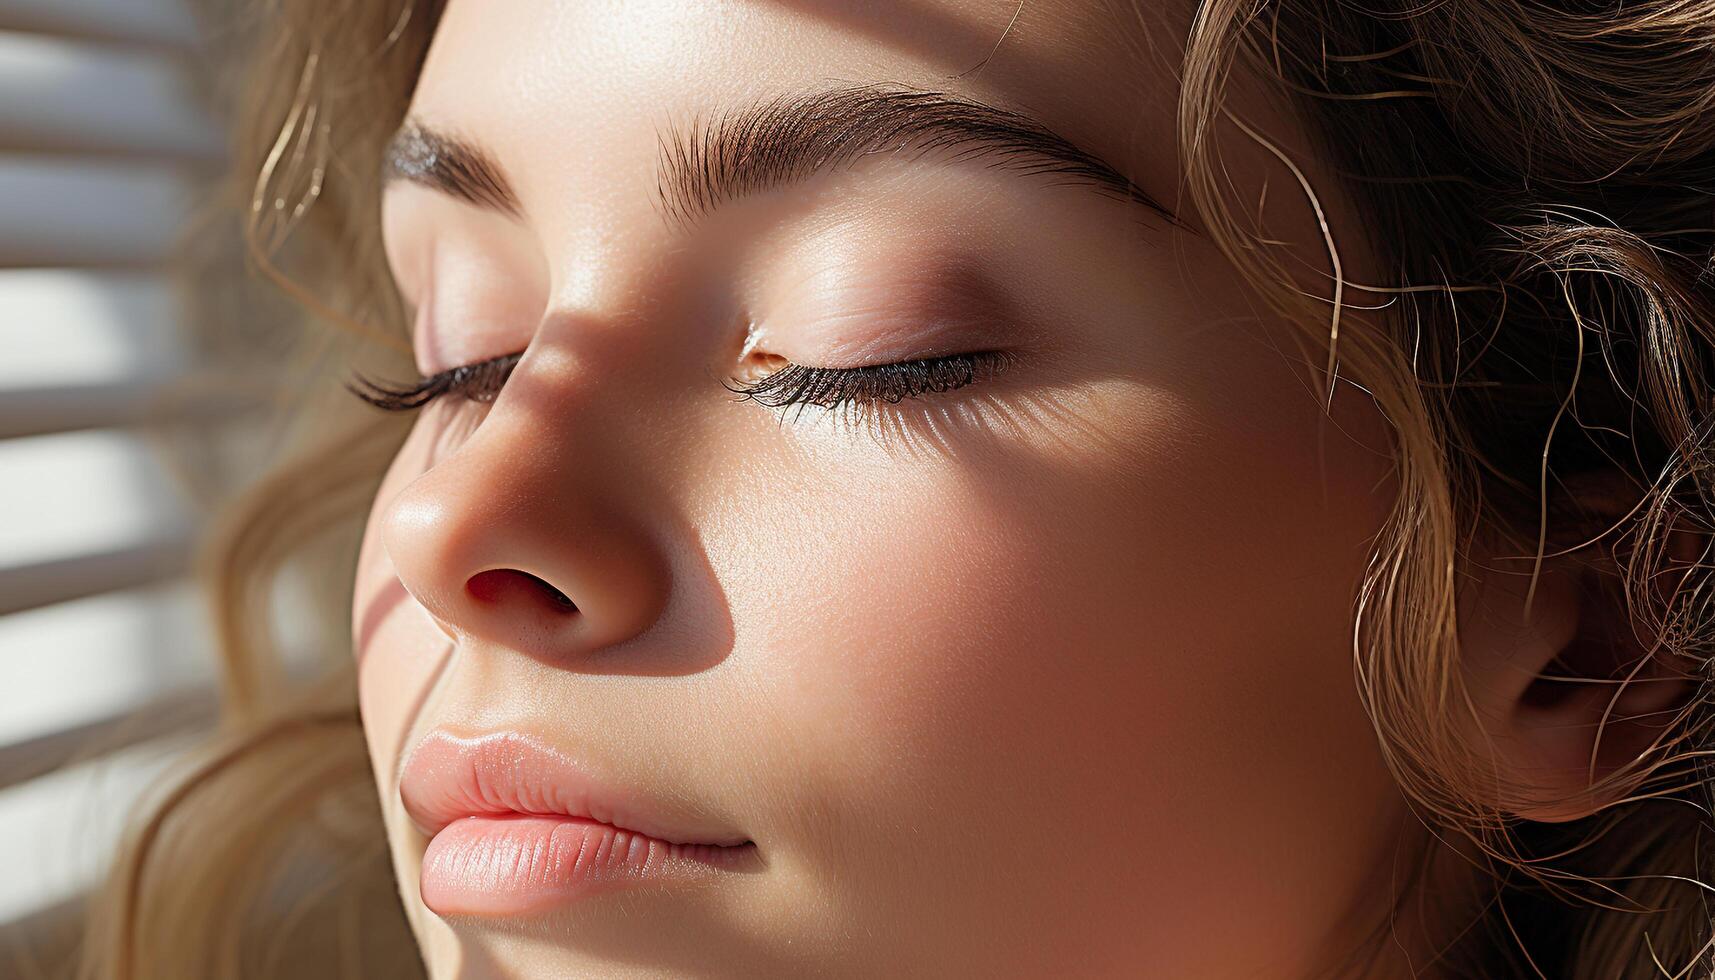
x=1045, y=654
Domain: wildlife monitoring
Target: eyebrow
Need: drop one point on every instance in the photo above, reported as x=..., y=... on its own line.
x=786, y=140
x=449, y=164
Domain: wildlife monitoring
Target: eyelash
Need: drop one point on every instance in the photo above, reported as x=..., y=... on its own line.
x=795, y=384
x=871, y=385
x=479, y=382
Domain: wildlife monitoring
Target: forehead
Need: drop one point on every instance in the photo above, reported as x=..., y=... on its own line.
x=572, y=98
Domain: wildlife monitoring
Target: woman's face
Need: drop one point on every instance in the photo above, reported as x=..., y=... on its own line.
x=1047, y=674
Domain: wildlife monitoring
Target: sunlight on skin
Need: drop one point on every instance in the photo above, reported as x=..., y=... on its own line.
x=1047, y=675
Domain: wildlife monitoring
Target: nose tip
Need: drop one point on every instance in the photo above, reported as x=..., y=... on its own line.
x=553, y=568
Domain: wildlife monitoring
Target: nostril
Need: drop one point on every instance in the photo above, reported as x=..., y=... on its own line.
x=500, y=585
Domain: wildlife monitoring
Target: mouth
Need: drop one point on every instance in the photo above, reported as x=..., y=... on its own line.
x=516, y=827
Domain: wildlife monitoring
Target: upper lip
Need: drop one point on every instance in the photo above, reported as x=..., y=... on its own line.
x=449, y=776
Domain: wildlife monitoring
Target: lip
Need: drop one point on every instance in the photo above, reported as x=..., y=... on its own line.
x=517, y=827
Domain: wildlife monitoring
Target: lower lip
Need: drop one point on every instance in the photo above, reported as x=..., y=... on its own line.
x=519, y=864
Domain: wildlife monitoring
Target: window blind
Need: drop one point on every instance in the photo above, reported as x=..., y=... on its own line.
x=103, y=151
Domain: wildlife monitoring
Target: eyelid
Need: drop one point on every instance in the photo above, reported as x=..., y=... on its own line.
x=478, y=285
x=851, y=317
x=887, y=340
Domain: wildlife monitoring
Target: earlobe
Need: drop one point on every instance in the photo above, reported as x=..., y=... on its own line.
x=1571, y=701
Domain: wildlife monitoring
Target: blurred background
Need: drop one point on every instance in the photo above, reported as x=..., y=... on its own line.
x=138, y=370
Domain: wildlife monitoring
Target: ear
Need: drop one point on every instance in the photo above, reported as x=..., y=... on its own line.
x=1572, y=698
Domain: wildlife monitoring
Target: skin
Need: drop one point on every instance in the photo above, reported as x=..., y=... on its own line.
x=1050, y=675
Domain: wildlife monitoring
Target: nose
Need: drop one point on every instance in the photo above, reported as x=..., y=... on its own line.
x=527, y=535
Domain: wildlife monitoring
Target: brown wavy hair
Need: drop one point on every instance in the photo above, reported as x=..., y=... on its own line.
x=1538, y=177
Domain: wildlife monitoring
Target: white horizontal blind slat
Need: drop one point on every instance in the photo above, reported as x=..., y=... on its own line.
x=55, y=409
x=78, y=663
x=87, y=349
x=82, y=327
x=58, y=832
x=84, y=493
x=152, y=22
x=33, y=585
x=169, y=714
x=66, y=96
x=104, y=147
x=75, y=213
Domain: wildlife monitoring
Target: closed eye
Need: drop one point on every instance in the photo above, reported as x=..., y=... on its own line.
x=872, y=384
x=795, y=384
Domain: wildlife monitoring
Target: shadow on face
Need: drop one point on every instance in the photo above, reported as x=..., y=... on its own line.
x=1048, y=670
